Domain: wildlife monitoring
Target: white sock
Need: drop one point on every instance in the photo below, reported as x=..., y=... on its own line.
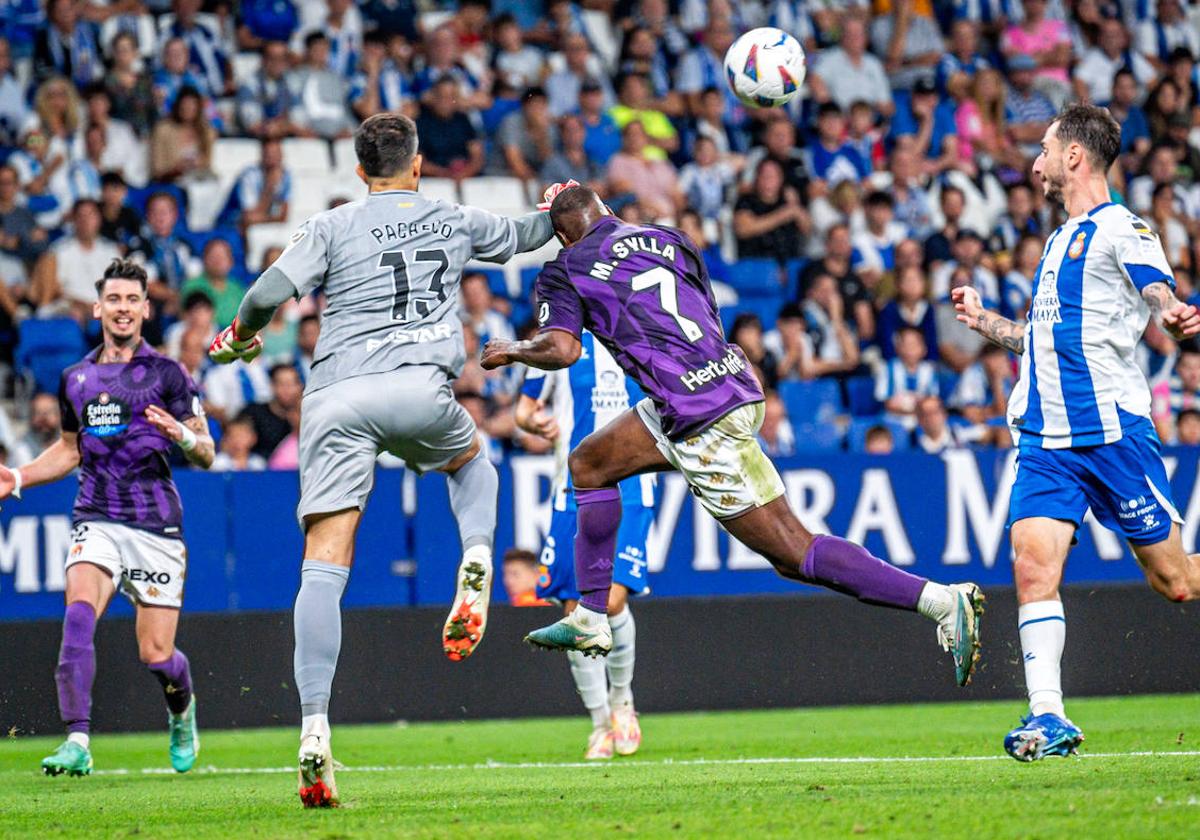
x=936, y=601
x=619, y=662
x=584, y=617
x=590, y=682
x=1043, y=631
x=80, y=738
x=482, y=553
x=315, y=725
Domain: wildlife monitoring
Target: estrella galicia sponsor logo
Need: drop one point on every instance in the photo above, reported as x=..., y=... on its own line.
x=106, y=416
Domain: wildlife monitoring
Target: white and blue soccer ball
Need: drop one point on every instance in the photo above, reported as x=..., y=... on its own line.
x=766, y=67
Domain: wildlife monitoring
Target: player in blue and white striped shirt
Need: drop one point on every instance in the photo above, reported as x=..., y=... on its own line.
x=583, y=398
x=1080, y=412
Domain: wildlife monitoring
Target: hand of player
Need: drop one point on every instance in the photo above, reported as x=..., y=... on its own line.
x=552, y=191
x=543, y=424
x=171, y=428
x=496, y=354
x=8, y=482
x=968, y=305
x=1181, y=321
x=227, y=346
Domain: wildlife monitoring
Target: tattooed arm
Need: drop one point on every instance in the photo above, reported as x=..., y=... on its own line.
x=1178, y=319
x=995, y=328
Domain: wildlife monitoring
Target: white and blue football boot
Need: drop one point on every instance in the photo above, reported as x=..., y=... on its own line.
x=1043, y=735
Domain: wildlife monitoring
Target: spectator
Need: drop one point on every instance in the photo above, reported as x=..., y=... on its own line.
x=181, y=146
x=747, y=333
x=879, y=441
x=1135, y=130
x=1095, y=71
x=1178, y=393
x=83, y=175
x=64, y=279
x=934, y=434
x=706, y=180
x=1187, y=428
x=910, y=308
x=521, y=572
x=634, y=105
x=443, y=59
x=926, y=128
x=770, y=221
x=980, y=394
x=123, y=151
x=963, y=55
x=651, y=180
x=643, y=54
x=571, y=161
x=118, y=221
x=216, y=283
x=603, y=136
x=1018, y=220
x=703, y=67
x=1162, y=170
x=1048, y=42
x=197, y=320
x=779, y=145
x=320, y=94
x=21, y=238
x=830, y=158
x=979, y=118
x=876, y=245
x=1165, y=221
x=1164, y=102
x=66, y=46
x=129, y=87
x=1167, y=31
x=580, y=65
x=837, y=262
x=237, y=449
x=831, y=341
x=45, y=427
x=968, y=254
x=279, y=417
x=261, y=193
x=901, y=382
x=174, y=74
x=958, y=346
x=382, y=80
x=865, y=136
x=41, y=168
x=911, y=201
x=14, y=107
x=342, y=24
x=450, y=145
x=58, y=111
x=478, y=313
x=692, y=226
x=1027, y=111
x=287, y=454
x=307, y=334
x=526, y=139
x=905, y=34
x=776, y=435
x=953, y=204
x=168, y=257
x=848, y=73
x=265, y=101
x=263, y=22
x=1017, y=290
x=519, y=64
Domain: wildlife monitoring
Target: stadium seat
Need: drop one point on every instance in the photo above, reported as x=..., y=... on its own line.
x=231, y=155
x=791, y=277
x=136, y=198
x=440, y=189
x=246, y=66
x=261, y=237
x=45, y=347
x=860, y=396
x=205, y=200
x=344, y=158
x=818, y=401
x=498, y=194
x=817, y=437
x=755, y=275
x=307, y=154
x=310, y=195
x=856, y=435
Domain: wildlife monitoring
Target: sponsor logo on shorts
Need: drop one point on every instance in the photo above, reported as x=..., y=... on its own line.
x=147, y=576
x=730, y=363
x=106, y=416
x=421, y=335
x=1140, y=506
x=635, y=557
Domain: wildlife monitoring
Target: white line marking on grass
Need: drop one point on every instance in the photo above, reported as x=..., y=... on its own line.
x=666, y=762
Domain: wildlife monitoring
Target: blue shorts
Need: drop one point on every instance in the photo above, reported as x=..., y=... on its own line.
x=1124, y=483
x=557, y=579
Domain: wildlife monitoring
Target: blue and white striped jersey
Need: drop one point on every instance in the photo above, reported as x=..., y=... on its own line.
x=1080, y=383
x=585, y=397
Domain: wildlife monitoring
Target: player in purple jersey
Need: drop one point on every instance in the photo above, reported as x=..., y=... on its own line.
x=123, y=408
x=644, y=292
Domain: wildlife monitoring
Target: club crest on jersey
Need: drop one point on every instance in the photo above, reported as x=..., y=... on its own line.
x=1076, y=246
x=106, y=416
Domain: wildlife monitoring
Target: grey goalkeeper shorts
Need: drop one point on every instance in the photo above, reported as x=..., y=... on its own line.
x=410, y=412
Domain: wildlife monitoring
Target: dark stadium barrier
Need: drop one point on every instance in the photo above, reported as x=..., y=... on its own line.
x=693, y=653
x=942, y=517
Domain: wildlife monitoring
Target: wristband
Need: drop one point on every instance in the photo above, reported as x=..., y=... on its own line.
x=17, y=482
x=188, y=442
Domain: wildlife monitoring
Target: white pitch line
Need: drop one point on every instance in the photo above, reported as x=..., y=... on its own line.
x=567, y=765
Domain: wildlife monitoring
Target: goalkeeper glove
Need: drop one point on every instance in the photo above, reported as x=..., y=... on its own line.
x=227, y=346
x=552, y=191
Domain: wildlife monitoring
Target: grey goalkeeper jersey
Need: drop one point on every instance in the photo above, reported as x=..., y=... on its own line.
x=391, y=265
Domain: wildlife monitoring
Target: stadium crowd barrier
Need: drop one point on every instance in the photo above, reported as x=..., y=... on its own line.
x=942, y=517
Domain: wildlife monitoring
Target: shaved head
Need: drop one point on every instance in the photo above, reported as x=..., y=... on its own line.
x=574, y=211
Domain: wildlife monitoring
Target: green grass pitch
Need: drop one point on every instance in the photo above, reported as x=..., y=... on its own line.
x=921, y=770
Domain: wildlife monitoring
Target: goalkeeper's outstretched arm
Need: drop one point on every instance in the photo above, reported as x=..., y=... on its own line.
x=270, y=291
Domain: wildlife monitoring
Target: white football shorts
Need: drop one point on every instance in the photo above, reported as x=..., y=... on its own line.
x=146, y=567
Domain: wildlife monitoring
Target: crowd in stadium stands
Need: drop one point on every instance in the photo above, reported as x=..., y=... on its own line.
x=197, y=135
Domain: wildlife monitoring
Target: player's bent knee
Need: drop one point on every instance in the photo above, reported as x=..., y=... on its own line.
x=152, y=652
x=1034, y=576
x=586, y=471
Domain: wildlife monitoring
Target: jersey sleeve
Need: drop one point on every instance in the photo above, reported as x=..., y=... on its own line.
x=180, y=394
x=1139, y=253
x=70, y=420
x=558, y=303
x=493, y=238
x=305, y=261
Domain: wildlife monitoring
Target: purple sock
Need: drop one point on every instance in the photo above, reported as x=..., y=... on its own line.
x=595, y=542
x=76, y=667
x=849, y=568
x=176, y=679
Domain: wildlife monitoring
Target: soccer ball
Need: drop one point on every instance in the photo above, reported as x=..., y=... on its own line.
x=765, y=67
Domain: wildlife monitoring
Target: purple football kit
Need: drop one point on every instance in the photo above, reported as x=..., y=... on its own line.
x=644, y=292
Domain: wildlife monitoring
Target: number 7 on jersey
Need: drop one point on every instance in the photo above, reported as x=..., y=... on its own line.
x=668, y=298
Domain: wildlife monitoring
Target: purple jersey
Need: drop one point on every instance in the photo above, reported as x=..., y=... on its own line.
x=643, y=291
x=124, y=476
